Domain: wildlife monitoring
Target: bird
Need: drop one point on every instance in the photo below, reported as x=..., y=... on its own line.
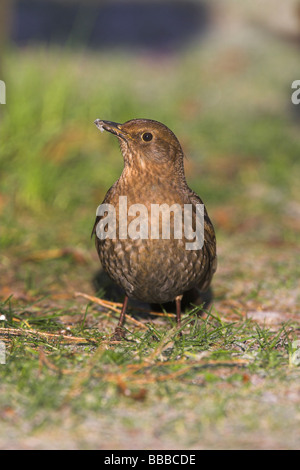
x=153, y=268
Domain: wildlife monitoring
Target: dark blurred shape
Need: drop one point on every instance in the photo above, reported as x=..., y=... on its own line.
x=157, y=26
x=5, y=20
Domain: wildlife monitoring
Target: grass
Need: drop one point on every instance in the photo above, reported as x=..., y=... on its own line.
x=227, y=364
x=232, y=380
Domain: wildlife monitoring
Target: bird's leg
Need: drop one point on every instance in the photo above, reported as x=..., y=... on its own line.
x=178, y=310
x=119, y=331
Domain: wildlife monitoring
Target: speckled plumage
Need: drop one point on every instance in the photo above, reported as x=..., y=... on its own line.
x=154, y=270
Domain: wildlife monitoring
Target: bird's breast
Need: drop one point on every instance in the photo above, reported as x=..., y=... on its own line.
x=147, y=253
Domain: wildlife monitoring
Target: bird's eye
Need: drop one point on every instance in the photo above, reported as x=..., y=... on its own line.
x=147, y=136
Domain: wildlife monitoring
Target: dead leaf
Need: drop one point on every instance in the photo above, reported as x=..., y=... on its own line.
x=53, y=253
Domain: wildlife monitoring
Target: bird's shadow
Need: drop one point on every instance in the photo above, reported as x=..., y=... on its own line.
x=112, y=292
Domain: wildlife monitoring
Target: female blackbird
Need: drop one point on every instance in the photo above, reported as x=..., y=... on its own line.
x=149, y=264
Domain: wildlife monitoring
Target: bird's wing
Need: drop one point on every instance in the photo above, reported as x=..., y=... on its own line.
x=209, y=247
x=98, y=217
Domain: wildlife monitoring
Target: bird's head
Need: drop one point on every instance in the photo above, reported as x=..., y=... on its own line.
x=146, y=144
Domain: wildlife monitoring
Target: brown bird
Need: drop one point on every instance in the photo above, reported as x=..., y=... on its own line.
x=149, y=265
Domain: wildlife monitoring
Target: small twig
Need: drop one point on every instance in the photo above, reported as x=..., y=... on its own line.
x=22, y=332
x=140, y=309
x=103, y=303
x=53, y=253
x=111, y=306
x=43, y=360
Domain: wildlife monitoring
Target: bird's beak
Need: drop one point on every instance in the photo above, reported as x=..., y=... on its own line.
x=112, y=127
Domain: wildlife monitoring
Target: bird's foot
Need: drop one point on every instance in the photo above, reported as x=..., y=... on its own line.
x=118, y=334
x=179, y=335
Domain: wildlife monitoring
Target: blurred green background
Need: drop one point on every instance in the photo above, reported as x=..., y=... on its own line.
x=221, y=81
